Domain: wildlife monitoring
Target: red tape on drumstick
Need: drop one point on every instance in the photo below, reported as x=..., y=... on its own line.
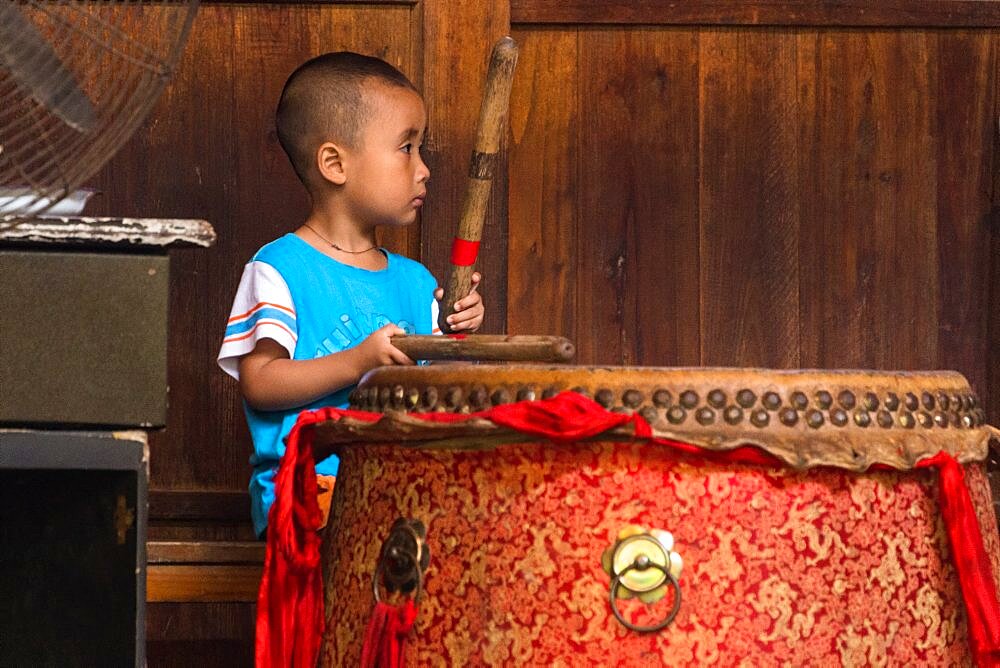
x=464, y=253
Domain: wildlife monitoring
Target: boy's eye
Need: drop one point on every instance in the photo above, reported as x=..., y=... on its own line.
x=407, y=147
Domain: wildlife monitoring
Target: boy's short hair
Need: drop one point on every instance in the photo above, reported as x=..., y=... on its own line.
x=323, y=99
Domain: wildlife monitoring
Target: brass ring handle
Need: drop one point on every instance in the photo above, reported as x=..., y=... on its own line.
x=401, y=557
x=641, y=563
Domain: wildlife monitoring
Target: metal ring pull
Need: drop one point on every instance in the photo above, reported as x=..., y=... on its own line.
x=643, y=563
x=402, y=560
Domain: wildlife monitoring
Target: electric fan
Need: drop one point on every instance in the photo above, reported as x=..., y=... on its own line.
x=77, y=77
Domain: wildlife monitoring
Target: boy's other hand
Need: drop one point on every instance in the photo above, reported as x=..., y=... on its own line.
x=469, y=310
x=377, y=349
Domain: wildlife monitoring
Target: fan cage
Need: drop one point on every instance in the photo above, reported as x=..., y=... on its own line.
x=112, y=57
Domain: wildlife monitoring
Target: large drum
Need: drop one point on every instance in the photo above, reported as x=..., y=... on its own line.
x=774, y=517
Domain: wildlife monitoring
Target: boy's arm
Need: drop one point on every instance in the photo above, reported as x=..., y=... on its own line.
x=270, y=381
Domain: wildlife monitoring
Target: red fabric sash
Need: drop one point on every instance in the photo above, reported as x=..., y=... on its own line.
x=290, y=604
x=388, y=626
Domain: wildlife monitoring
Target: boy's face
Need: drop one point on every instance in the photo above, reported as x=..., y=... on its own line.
x=387, y=179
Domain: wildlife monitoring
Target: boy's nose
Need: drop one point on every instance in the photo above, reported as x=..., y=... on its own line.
x=423, y=172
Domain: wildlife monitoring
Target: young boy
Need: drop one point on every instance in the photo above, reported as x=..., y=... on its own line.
x=315, y=309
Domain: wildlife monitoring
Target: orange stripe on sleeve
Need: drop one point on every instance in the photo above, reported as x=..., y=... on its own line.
x=265, y=321
x=258, y=306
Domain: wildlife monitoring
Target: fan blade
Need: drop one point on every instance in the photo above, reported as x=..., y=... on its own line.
x=30, y=60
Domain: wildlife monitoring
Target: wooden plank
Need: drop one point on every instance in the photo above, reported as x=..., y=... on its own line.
x=965, y=90
x=203, y=506
x=458, y=38
x=542, y=253
x=206, y=634
x=203, y=583
x=638, y=198
x=127, y=232
x=749, y=270
x=869, y=273
x=829, y=13
x=993, y=313
x=205, y=552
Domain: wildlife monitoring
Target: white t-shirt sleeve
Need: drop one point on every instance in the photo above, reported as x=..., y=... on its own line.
x=262, y=309
x=435, y=311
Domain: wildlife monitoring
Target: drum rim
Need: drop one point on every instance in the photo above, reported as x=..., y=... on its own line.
x=816, y=431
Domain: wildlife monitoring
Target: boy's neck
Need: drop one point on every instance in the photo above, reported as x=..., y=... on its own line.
x=341, y=238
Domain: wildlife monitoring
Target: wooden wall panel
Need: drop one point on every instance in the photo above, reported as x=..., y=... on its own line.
x=966, y=130
x=829, y=189
x=637, y=250
x=458, y=39
x=840, y=13
x=749, y=278
x=869, y=251
x=544, y=116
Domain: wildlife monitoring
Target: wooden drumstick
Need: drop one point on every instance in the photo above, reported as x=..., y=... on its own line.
x=492, y=121
x=486, y=348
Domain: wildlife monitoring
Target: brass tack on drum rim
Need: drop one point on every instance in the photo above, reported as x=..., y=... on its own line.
x=477, y=397
x=705, y=416
x=689, y=399
x=862, y=418
x=771, y=401
x=398, y=394
x=839, y=417
x=799, y=400
x=526, y=394
x=911, y=402
x=814, y=419
x=846, y=399
x=717, y=398
x=676, y=415
x=760, y=418
x=430, y=397
x=412, y=398
x=662, y=398
x=500, y=396
x=884, y=419
x=648, y=414
x=453, y=397
x=892, y=401
x=632, y=398
x=789, y=417
x=824, y=399
x=604, y=397
x=746, y=398
x=733, y=415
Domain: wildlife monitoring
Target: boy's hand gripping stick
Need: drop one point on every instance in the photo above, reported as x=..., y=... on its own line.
x=492, y=121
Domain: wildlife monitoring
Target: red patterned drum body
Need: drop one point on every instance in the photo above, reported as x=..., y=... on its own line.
x=814, y=559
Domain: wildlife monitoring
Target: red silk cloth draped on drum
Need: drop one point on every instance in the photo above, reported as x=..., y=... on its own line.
x=290, y=603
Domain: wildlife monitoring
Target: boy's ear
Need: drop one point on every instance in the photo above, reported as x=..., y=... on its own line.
x=330, y=162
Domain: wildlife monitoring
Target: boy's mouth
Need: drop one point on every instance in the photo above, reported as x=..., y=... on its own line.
x=419, y=200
